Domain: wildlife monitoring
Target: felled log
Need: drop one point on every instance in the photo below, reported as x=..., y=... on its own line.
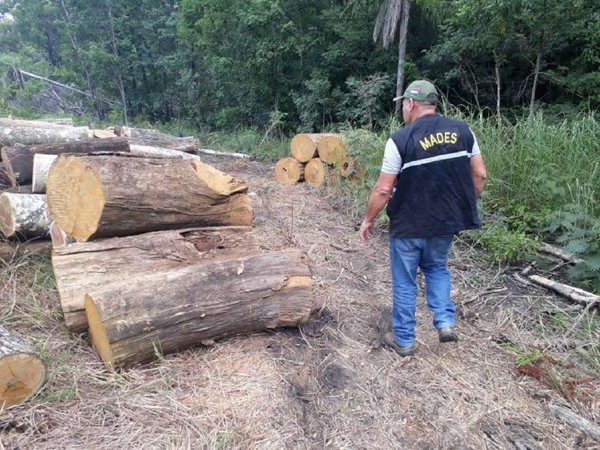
x=345, y=167
x=41, y=166
x=18, y=159
x=4, y=178
x=104, y=134
x=22, y=371
x=58, y=121
x=93, y=267
x=10, y=250
x=303, y=146
x=58, y=237
x=32, y=132
x=208, y=151
x=24, y=215
x=289, y=170
x=314, y=172
x=160, y=152
x=332, y=149
x=163, y=312
x=559, y=253
x=91, y=197
x=572, y=293
x=155, y=138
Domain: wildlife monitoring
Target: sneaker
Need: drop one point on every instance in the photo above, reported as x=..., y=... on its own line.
x=403, y=350
x=447, y=334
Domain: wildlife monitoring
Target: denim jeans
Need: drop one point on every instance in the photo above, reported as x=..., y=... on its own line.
x=431, y=255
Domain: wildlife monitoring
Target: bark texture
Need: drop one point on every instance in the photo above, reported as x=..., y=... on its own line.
x=91, y=197
x=41, y=166
x=154, y=138
x=162, y=312
x=160, y=152
x=22, y=372
x=24, y=215
x=94, y=267
x=32, y=132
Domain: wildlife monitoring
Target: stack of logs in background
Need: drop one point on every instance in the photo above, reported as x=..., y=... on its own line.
x=152, y=249
x=314, y=158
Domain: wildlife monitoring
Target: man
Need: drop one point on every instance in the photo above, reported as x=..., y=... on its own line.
x=431, y=176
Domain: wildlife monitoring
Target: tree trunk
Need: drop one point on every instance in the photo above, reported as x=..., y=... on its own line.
x=24, y=215
x=576, y=421
x=402, y=39
x=30, y=132
x=58, y=121
x=91, y=197
x=41, y=166
x=22, y=372
x=19, y=158
x=93, y=267
x=154, y=138
x=289, y=170
x=303, y=146
x=58, y=237
x=4, y=178
x=536, y=75
x=314, y=172
x=498, y=85
x=160, y=152
x=332, y=149
x=158, y=313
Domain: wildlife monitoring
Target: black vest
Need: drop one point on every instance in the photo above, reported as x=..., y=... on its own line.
x=434, y=193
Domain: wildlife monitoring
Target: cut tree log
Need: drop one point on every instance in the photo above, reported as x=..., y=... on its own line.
x=32, y=132
x=24, y=215
x=4, y=178
x=559, y=253
x=18, y=159
x=332, y=149
x=314, y=172
x=93, y=267
x=289, y=170
x=345, y=167
x=160, y=152
x=104, y=134
x=303, y=146
x=570, y=292
x=22, y=371
x=91, y=197
x=41, y=166
x=58, y=237
x=159, y=313
x=154, y=138
x=67, y=121
x=576, y=421
x=208, y=151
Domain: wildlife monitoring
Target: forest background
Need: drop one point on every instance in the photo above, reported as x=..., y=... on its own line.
x=247, y=75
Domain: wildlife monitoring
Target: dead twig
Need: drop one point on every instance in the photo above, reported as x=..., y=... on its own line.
x=576, y=421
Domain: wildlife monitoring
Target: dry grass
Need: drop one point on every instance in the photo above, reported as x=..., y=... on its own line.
x=327, y=385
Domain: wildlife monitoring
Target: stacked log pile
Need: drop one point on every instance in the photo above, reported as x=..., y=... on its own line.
x=153, y=249
x=313, y=158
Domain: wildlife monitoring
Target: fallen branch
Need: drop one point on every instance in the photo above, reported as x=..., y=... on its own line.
x=555, y=251
x=576, y=421
x=207, y=151
x=570, y=292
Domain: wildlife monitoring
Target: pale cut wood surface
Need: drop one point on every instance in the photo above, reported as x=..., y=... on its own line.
x=162, y=312
x=332, y=149
x=93, y=267
x=91, y=197
x=314, y=172
x=303, y=146
x=289, y=170
x=22, y=371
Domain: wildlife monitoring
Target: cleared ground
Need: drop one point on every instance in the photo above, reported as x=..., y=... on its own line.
x=329, y=384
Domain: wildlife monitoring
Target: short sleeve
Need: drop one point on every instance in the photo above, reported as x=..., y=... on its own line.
x=392, y=161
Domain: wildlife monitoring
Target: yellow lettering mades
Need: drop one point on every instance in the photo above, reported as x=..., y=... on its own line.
x=438, y=138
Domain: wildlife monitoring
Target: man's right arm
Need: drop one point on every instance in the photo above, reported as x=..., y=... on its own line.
x=478, y=174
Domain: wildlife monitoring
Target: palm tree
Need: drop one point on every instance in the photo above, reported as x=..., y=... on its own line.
x=392, y=12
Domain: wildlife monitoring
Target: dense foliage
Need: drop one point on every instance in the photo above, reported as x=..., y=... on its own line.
x=233, y=63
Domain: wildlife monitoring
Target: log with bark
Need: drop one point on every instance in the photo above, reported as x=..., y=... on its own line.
x=58, y=237
x=32, y=132
x=160, y=152
x=93, y=267
x=19, y=158
x=41, y=166
x=572, y=293
x=154, y=138
x=24, y=215
x=4, y=178
x=345, y=167
x=158, y=313
x=314, y=172
x=90, y=197
x=58, y=121
x=289, y=170
x=576, y=421
x=332, y=149
x=22, y=371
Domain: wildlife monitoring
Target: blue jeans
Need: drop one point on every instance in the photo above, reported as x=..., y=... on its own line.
x=431, y=255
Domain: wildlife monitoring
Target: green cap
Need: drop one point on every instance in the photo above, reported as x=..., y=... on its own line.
x=421, y=91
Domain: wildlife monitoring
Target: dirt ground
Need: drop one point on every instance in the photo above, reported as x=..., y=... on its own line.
x=329, y=384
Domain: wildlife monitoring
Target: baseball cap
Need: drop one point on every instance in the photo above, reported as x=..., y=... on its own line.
x=421, y=91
